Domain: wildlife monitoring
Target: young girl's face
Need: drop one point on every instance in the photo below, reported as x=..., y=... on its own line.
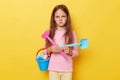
x=60, y=18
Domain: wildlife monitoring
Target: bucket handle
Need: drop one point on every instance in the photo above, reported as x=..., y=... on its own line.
x=40, y=50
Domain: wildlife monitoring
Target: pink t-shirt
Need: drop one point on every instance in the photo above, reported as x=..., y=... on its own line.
x=57, y=61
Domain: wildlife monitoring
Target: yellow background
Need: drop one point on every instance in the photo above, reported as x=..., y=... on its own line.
x=23, y=21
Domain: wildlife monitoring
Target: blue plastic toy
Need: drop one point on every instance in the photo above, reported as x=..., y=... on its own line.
x=43, y=64
x=40, y=56
x=42, y=60
x=83, y=44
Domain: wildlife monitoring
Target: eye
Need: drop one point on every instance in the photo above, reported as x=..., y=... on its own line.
x=57, y=16
x=63, y=16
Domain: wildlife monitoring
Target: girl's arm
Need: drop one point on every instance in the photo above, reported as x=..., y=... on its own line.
x=49, y=51
x=54, y=49
x=71, y=51
x=75, y=48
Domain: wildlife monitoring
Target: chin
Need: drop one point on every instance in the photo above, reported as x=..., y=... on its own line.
x=61, y=25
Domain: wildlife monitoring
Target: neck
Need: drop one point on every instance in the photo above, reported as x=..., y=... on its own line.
x=60, y=28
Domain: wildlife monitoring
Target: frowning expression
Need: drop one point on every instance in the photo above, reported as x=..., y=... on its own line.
x=60, y=18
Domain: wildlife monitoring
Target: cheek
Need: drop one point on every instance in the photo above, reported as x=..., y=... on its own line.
x=65, y=20
x=55, y=20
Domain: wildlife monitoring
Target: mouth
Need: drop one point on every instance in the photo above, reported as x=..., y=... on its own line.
x=60, y=22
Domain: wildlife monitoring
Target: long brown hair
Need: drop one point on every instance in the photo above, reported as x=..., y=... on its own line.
x=68, y=35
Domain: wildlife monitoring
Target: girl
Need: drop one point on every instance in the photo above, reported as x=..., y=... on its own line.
x=61, y=33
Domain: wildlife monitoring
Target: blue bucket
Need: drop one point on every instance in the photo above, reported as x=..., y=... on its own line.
x=43, y=64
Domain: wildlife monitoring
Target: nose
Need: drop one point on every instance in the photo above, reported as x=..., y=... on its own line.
x=60, y=18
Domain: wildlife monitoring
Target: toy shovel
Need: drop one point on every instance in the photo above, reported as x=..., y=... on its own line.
x=83, y=44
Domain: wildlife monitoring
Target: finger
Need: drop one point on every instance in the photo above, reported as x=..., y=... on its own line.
x=66, y=51
x=65, y=47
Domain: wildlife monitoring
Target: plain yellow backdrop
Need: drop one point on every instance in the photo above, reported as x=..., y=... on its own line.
x=23, y=21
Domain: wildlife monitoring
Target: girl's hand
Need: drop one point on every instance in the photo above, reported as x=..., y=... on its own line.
x=67, y=50
x=53, y=49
